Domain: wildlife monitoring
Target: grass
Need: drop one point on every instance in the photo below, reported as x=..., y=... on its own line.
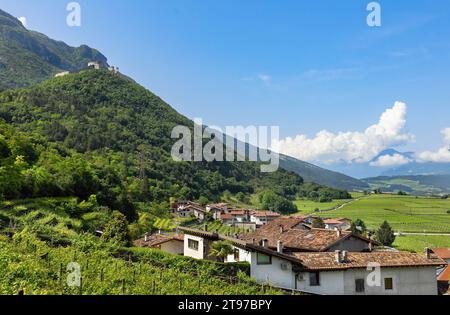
x=417, y=243
x=308, y=206
x=404, y=213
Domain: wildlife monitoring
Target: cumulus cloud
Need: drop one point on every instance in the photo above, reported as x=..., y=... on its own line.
x=23, y=20
x=350, y=146
x=442, y=155
x=391, y=160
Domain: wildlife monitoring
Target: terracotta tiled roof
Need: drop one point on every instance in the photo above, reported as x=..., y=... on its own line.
x=222, y=205
x=445, y=275
x=157, y=239
x=265, y=214
x=239, y=212
x=443, y=253
x=332, y=221
x=326, y=261
x=226, y=216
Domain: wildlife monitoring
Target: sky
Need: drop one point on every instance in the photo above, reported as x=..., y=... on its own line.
x=339, y=89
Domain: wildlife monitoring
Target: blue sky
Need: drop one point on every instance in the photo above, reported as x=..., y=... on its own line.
x=303, y=65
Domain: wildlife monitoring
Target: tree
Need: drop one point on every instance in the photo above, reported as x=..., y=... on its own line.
x=385, y=234
x=240, y=196
x=220, y=250
x=358, y=227
x=203, y=201
x=116, y=230
x=318, y=223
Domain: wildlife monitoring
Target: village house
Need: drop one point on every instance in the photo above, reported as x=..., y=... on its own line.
x=173, y=244
x=217, y=210
x=189, y=208
x=297, y=237
x=443, y=273
x=261, y=218
x=337, y=223
x=324, y=273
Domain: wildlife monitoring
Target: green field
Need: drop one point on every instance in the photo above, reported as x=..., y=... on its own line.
x=404, y=213
x=308, y=206
x=417, y=243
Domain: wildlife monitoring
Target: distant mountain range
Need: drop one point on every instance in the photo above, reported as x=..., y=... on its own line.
x=418, y=185
x=28, y=57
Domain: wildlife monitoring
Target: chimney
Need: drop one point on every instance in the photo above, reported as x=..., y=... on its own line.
x=280, y=247
x=265, y=243
x=428, y=253
x=337, y=256
x=205, y=227
x=145, y=238
x=281, y=229
x=159, y=232
x=344, y=256
x=253, y=241
x=370, y=246
x=339, y=232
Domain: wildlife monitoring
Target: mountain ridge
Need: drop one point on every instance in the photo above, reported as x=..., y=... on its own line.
x=28, y=57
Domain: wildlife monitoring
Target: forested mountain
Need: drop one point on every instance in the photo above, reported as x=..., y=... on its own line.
x=28, y=57
x=95, y=132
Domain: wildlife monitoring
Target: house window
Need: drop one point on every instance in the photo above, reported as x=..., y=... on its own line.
x=262, y=259
x=359, y=285
x=388, y=284
x=314, y=279
x=236, y=254
x=192, y=244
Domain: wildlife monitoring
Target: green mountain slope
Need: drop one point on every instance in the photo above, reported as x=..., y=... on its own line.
x=115, y=136
x=28, y=57
x=315, y=174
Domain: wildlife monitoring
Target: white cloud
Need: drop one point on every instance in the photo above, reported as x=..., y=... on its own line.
x=265, y=78
x=350, y=146
x=442, y=155
x=23, y=20
x=391, y=160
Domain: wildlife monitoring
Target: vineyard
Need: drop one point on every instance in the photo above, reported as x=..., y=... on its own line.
x=31, y=266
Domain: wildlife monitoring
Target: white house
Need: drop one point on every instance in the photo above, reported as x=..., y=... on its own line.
x=217, y=210
x=338, y=223
x=344, y=273
x=191, y=209
x=261, y=218
x=173, y=244
x=326, y=273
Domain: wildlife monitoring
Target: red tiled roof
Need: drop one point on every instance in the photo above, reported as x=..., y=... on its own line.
x=443, y=253
x=238, y=212
x=332, y=221
x=265, y=214
x=226, y=216
x=445, y=275
x=326, y=261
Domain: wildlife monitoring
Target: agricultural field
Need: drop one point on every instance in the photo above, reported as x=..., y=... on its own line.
x=40, y=241
x=164, y=224
x=404, y=213
x=221, y=228
x=417, y=243
x=308, y=206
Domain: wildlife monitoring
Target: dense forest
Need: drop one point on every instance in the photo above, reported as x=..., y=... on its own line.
x=99, y=134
